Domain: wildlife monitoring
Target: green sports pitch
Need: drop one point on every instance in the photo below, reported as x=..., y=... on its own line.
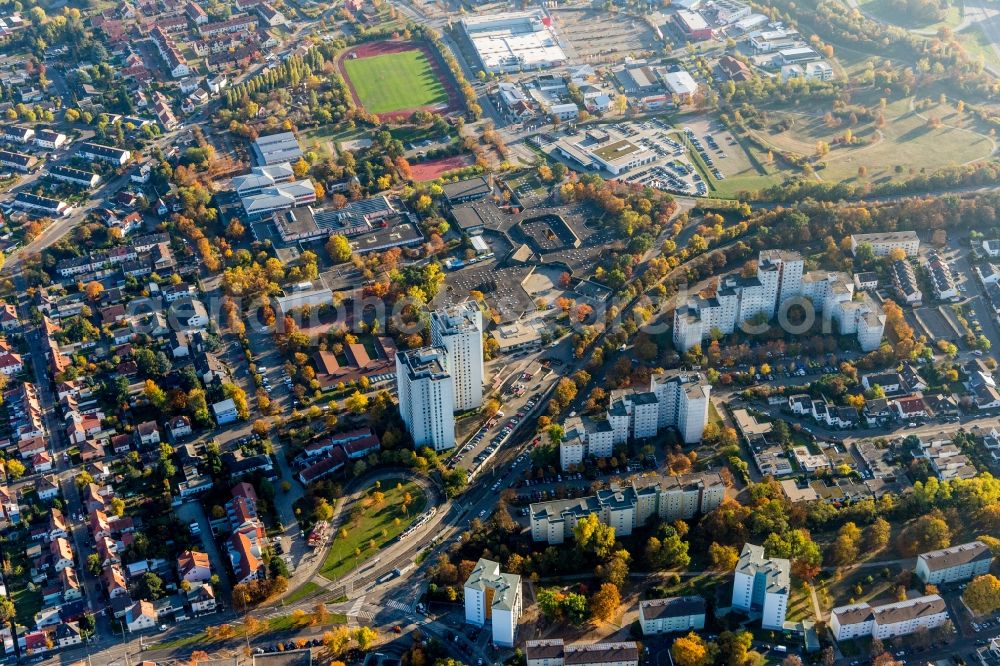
x=394, y=82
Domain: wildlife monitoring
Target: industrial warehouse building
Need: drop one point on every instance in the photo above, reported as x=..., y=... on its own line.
x=514, y=41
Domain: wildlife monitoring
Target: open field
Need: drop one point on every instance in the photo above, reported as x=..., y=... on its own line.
x=595, y=34
x=977, y=44
x=882, y=9
x=905, y=145
x=328, y=137
x=389, y=78
x=372, y=524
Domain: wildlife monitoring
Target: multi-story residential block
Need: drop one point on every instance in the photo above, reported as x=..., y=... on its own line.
x=946, y=459
x=885, y=242
x=241, y=23
x=176, y=62
x=954, y=564
x=682, y=401
x=749, y=302
x=896, y=619
x=554, y=652
x=627, y=508
x=762, y=584
x=101, y=153
x=672, y=615
x=585, y=438
x=494, y=597
x=675, y=399
x=426, y=397
x=459, y=330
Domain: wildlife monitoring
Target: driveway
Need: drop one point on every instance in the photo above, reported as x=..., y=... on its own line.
x=193, y=512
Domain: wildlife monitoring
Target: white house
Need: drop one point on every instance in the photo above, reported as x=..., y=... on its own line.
x=194, y=566
x=140, y=616
x=201, y=597
x=189, y=313
x=148, y=433
x=10, y=363
x=225, y=411
x=62, y=553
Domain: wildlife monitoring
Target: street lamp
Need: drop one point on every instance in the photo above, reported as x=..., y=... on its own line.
x=125, y=641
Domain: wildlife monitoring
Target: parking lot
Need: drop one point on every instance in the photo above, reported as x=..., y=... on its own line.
x=497, y=429
x=731, y=160
x=675, y=169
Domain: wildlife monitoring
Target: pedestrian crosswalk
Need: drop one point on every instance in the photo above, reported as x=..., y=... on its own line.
x=355, y=608
x=399, y=605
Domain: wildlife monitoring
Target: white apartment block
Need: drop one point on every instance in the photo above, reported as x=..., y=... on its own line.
x=584, y=438
x=672, y=615
x=459, y=330
x=426, y=397
x=674, y=399
x=954, y=564
x=896, y=619
x=885, y=242
x=494, y=597
x=630, y=507
x=554, y=652
x=683, y=403
x=779, y=280
x=761, y=584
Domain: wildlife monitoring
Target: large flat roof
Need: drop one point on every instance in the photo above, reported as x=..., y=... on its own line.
x=513, y=40
x=616, y=150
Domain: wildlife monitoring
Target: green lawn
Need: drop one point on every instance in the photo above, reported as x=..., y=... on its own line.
x=308, y=589
x=287, y=622
x=906, y=142
x=395, y=82
x=713, y=414
x=370, y=523
x=199, y=639
x=26, y=604
x=884, y=10
x=978, y=44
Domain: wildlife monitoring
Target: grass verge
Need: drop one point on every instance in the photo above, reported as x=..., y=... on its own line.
x=372, y=524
